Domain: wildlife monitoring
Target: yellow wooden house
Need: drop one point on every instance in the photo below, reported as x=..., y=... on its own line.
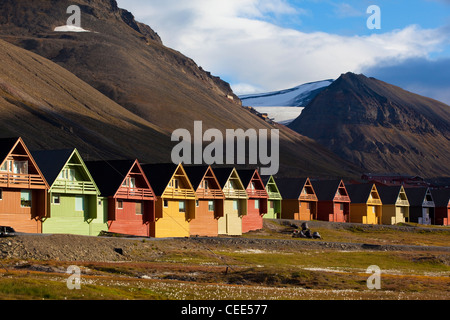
x=395, y=204
x=175, y=204
x=366, y=205
x=235, y=203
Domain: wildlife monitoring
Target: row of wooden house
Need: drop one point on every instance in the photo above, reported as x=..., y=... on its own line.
x=58, y=192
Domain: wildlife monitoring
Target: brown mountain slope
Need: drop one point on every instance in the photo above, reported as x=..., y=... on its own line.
x=380, y=127
x=52, y=109
x=126, y=61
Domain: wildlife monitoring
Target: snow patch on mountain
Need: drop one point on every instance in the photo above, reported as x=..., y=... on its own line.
x=285, y=106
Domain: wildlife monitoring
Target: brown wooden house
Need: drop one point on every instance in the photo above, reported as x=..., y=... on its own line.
x=209, y=203
x=299, y=199
x=126, y=194
x=257, y=200
x=23, y=188
x=333, y=200
x=366, y=205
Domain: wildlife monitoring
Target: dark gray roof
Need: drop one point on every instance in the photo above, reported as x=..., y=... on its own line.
x=291, y=188
x=6, y=144
x=325, y=189
x=222, y=174
x=51, y=162
x=441, y=197
x=359, y=193
x=416, y=196
x=159, y=175
x=196, y=174
x=389, y=194
x=109, y=175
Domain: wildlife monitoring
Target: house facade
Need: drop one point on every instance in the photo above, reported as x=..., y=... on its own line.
x=395, y=204
x=23, y=188
x=210, y=201
x=274, y=200
x=235, y=204
x=299, y=199
x=73, y=194
x=127, y=198
x=333, y=200
x=366, y=205
x=422, y=205
x=442, y=206
x=257, y=200
x=175, y=200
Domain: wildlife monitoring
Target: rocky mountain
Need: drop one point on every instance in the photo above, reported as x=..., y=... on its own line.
x=117, y=91
x=380, y=127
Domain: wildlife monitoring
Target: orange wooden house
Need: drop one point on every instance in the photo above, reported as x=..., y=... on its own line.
x=299, y=199
x=333, y=200
x=209, y=203
x=126, y=196
x=257, y=200
x=23, y=188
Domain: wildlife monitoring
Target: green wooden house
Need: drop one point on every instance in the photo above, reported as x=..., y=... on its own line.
x=274, y=204
x=73, y=196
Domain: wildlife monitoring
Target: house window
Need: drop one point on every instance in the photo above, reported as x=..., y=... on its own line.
x=21, y=167
x=1, y=194
x=271, y=205
x=341, y=206
x=7, y=166
x=25, y=199
x=253, y=187
x=235, y=205
x=129, y=183
x=79, y=203
x=56, y=199
x=166, y=203
x=257, y=204
x=182, y=206
x=211, y=206
x=67, y=174
x=120, y=204
x=176, y=183
x=139, y=208
x=205, y=184
x=197, y=203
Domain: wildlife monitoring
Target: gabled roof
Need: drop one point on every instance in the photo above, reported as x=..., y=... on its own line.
x=223, y=174
x=6, y=145
x=416, y=196
x=326, y=189
x=441, y=197
x=51, y=162
x=246, y=176
x=359, y=193
x=389, y=194
x=109, y=175
x=291, y=188
x=160, y=175
x=196, y=174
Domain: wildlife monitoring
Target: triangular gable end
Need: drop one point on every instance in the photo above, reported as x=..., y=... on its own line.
x=20, y=152
x=402, y=198
x=307, y=192
x=271, y=186
x=374, y=196
x=187, y=190
x=142, y=185
x=75, y=159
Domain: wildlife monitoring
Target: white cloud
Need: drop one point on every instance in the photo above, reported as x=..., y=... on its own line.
x=234, y=40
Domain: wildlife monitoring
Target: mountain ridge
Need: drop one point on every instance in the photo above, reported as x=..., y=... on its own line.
x=379, y=126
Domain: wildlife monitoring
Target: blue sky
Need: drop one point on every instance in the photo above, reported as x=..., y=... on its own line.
x=266, y=45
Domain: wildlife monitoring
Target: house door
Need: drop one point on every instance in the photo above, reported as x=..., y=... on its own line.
x=371, y=215
x=426, y=216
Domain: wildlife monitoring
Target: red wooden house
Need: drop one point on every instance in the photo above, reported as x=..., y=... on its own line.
x=23, y=188
x=209, y=203
x=127, y=194
x=257, y=200
x=333, y=200
x=442, y=209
